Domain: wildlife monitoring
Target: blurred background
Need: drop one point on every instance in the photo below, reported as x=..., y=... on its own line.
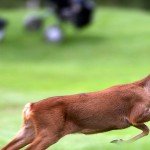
x=113, y=48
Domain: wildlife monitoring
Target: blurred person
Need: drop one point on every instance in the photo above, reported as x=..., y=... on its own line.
x=33, y=3
x=3, y=24
x=77, y=12
x=33, y=23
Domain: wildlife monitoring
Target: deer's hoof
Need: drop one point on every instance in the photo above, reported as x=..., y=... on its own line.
x=117, y=141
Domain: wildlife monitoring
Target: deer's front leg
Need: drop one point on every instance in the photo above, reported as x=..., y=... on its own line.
x=139, y=115
x=142, y=127
x=145, y=132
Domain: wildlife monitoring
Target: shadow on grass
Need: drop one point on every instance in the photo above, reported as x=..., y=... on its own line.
x=89, y=39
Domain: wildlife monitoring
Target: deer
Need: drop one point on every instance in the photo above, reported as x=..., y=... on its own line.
x=115, y=108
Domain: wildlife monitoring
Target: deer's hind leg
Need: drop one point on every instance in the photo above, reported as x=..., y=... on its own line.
x=23, y=138
x=43, y=140
x=48, y=136
x=26, y=134
x=47, y=133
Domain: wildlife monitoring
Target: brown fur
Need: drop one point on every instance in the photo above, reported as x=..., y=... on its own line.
x=118, y=107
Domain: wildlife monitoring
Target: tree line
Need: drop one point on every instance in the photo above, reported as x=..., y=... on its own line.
x=124, y=3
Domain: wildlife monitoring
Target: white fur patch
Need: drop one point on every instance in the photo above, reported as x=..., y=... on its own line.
x=27, y=110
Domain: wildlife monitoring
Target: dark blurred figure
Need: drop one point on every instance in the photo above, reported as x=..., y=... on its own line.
x=3, y=24
x=34, y=23
x=78, y=12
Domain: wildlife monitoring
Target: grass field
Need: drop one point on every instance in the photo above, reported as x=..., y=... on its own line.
x=115, y=49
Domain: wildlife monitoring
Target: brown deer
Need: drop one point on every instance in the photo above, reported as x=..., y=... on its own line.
x=118, y=107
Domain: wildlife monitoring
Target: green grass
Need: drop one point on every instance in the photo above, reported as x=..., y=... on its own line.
x=115, y=49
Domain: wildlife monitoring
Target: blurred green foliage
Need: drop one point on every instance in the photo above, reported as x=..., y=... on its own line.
x=130, y=3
